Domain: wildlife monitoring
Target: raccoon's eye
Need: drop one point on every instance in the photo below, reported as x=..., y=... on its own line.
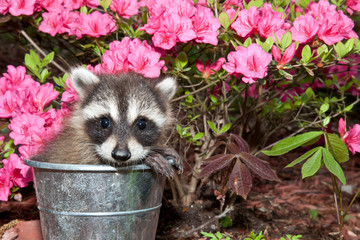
x=141, y=124
x=105, y=122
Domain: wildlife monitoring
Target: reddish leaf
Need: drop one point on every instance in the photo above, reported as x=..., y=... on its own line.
x=243, y=145
x=240, y=179
x=233, y=148
x=218, y=144
x=258, y=166
x=217, y=163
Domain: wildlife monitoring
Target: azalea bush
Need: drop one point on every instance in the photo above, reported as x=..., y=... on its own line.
x=247, y=70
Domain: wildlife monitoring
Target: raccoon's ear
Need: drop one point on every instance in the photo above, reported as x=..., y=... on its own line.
x=82, y=79
x=167, y=87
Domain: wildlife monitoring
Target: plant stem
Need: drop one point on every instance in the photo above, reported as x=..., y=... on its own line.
x=40, y=50
x=347, y=209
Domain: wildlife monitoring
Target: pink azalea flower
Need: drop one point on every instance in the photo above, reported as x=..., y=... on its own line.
x=1, y=139
x=9, y=103
x=4, y=6
x=342, y=127
x=175, y=28
x=270, y=21
x=73, y=4
x=352, y=5
x=27, y=151
x=19, y=173
x=330, y=33
x=52, y=5
x=95, y=24
x=5, y=185
x=21, y=7
x=53, y=123
x=28, y=129
x=237, y=3
x=125, y=8
x=52, y=23
x=207, y=70
x=205, y=26
x=145, y=61
x=44, y=95
x=352, y=137
x=322, y=10
x=165, y=40
x=131, y=55
x=304, y=29
x=202, y=2
x=69, y=95
x=252, y=62
x=70, y=22
x=16, y=78
x=92, y=3
x=246, y=22
x=288, y=55
x=346, y=26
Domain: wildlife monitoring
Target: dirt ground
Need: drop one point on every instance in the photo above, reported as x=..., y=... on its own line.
x=275, y=208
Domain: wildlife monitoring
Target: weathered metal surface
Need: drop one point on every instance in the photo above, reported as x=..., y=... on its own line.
x=97, y=202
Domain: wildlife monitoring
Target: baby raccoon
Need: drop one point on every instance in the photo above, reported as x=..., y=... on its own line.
x=119, y=120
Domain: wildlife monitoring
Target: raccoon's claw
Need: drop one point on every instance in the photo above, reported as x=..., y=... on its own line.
x=160, y=165
x=171, y=156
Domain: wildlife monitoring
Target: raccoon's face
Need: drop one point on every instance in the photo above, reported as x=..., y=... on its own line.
x=122, y=115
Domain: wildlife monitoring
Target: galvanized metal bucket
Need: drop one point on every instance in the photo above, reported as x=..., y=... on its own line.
x=97, y=201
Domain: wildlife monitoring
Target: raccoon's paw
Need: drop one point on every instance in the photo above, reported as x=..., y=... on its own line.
x=160, y=165
x=171, y=156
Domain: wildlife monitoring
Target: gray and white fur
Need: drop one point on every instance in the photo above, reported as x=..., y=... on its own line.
x=119, y=120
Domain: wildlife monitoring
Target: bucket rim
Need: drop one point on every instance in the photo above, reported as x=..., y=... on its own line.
x=82, y=167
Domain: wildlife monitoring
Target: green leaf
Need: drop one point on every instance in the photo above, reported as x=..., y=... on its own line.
x=340, y=49
x=349, y=45
x=182, y=59
x=105, y=4
x=30, y=63
x=313, y=214
x=35, y=58
x=225, y=222
x=9, y=148
x=333, y=166
x=247, y=42
x=309, y=71
x=198, y=136
x=337, y=147
x=225, y=128
x=44, y=75
x=47, y=59
x=303, y=3
x=348, y=108
x=322, y=49
x=324, y=107
x=286, y=40
x=303, y=157
x=326, y=121
x=224, y=20
x=84, y=10
x=288, y=144
x=312, y=165
x=213, y=99
x=256, y=3
x=306, y=54
x=212, y=126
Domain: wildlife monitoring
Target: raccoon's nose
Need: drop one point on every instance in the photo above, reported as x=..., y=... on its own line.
x=121, y=155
